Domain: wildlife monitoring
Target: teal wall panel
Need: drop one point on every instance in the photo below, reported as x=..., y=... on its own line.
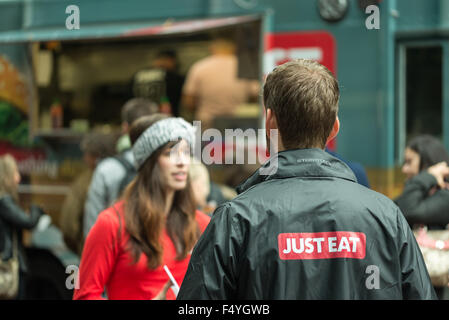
x=418, y=15
x=10, y=15
x=51, y=13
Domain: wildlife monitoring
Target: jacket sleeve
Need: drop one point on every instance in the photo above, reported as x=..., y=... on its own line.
x=416, y=284
x=212, y=271
x=97, y=199
x=98, y=259
x=418, y=207
x=14, y=215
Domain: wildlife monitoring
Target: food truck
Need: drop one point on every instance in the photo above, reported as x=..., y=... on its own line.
x=71, y=62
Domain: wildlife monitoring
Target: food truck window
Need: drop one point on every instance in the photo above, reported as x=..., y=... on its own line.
x=92, y=79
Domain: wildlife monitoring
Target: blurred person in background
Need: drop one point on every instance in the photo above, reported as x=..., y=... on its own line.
x=131, y=110
x=13, y=219
x=212, y=88
x=155, y=224
x=356, y=167
x=199, y=177
x=109, y=175
x=208, y=194
x=161, y=82
x=95, y=147
x=425, y=198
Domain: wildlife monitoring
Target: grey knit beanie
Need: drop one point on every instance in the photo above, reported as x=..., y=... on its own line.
x=159, y=134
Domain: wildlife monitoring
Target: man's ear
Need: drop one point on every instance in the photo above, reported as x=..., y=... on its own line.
x=334, y=130
x=270, y=121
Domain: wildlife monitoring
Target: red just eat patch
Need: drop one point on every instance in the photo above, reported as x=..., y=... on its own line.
x=322, y=245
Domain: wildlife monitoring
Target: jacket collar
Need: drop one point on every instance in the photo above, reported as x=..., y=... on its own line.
x=299, y=163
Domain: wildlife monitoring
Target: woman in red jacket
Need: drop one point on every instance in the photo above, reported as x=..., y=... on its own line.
x=150, y=232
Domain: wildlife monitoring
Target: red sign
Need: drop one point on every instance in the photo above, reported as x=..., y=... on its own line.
x=322, y=245
x=20, y=154
x=285, y=46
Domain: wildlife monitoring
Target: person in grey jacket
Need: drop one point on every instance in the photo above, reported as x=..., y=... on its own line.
x=12, y=218
x=301, y=226
x=105, y=186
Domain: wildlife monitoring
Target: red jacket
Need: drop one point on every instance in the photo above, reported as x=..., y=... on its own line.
x=106, y=264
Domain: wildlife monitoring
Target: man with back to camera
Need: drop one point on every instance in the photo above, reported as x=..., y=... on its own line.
x=307, y=230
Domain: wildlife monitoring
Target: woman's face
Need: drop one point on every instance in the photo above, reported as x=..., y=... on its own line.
x=411, y=163
x=174, y=164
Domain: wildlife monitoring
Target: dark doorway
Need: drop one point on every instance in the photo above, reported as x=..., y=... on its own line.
x=424, y=76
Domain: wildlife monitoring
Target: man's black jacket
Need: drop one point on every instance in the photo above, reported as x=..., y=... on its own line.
x=307, y=231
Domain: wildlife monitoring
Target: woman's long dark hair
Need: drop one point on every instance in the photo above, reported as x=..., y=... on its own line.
x=144, y=205
x=431, y=151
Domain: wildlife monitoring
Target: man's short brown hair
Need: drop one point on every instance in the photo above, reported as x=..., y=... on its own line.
x=303, y=96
